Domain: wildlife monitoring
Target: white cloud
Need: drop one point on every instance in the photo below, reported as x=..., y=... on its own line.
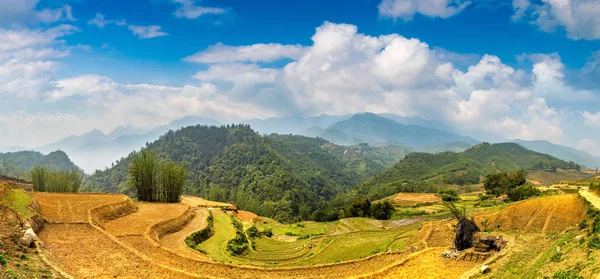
x=27, y=60
x=147, y=32
x=406, y=9
x=23, y=11
x=100, y=21
x=190, y=10
x=590, y=119
x=579, y=18
x=220, y=53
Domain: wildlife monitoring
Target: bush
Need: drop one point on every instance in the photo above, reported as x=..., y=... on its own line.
x=583, y=224
x=239, y=245
x=3, y=260
x=382, y=211
x=448, y=195
x=501, y=182
x=268, y=232
x=253, y=232
x=594, y=242
x=596, y=225
x=522, y=192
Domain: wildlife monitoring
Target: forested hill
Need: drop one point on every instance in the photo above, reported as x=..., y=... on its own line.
x=18, y=164
x=420, y=172
x=280, y=176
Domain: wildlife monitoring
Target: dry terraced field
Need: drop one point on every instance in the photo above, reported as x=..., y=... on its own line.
x=352, y=247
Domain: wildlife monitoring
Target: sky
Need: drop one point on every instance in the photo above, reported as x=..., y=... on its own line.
x=492, y=69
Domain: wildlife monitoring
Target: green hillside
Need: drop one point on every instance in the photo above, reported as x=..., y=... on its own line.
x=280, y=176
x=423, y=172
x=18, y=164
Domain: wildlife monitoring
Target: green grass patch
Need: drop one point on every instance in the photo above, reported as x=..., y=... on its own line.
x=18, y=200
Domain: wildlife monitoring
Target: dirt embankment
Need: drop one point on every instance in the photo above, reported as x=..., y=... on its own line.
x=108, y=212
x=158, y=230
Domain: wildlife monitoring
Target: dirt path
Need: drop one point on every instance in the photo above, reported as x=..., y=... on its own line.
x=175, y=242
x=147, y=215
x=591, y=197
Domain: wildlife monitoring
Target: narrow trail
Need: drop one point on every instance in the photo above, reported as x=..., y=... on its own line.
x=175, y=242
x=591, y=197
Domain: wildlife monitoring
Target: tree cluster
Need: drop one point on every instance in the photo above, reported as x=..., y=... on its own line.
x=511, y=184
x=156, y=180
x=364, y=208
x=48, y=180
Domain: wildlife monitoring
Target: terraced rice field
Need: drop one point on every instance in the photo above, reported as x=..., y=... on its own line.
x=147, y=215
x=543, y=214
x=71, y=208
x=124, y=249
x=410, y=199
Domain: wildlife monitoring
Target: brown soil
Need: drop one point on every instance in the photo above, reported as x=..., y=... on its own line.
x=147, y=215
x=200, y=202
x=246, y=216
x=71, y=208
x=175, y=242
x=543, y=214
x=85, y=252
x=434, y=234
x=427, y=264
x=410, y=199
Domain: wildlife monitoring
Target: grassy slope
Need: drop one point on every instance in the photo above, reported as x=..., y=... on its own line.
x=18, y=200
x=415, y=172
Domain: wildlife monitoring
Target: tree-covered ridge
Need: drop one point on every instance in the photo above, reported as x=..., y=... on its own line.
x=280, y=176
x=423, y=172
x=18, y=164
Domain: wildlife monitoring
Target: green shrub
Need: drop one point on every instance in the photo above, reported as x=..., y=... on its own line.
x=556, y=257
x=569, y=273
x=592, y=212
x=3, y=260
x=523, y=192
x=594, y=242
x=253, y=232
x=10, y=274
x=268, y=232
x=583, y=224
x=240, y=244
x=596, y=225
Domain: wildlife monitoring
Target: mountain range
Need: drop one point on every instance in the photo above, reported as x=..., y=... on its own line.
x=96, y=150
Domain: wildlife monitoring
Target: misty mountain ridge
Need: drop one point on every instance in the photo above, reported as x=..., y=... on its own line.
x=373, y=129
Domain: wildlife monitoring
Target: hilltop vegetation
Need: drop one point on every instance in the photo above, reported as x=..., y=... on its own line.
x=284, y=177
x=422, y=172
x=18, y=164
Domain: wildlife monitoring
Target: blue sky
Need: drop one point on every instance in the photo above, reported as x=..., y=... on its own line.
x=494, y=69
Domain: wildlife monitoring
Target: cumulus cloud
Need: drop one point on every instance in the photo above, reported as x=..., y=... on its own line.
x=190, y=10
x=579, y=18
x=220, y=53
x=343, y=71
x=406, y=9
x=147, y=32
